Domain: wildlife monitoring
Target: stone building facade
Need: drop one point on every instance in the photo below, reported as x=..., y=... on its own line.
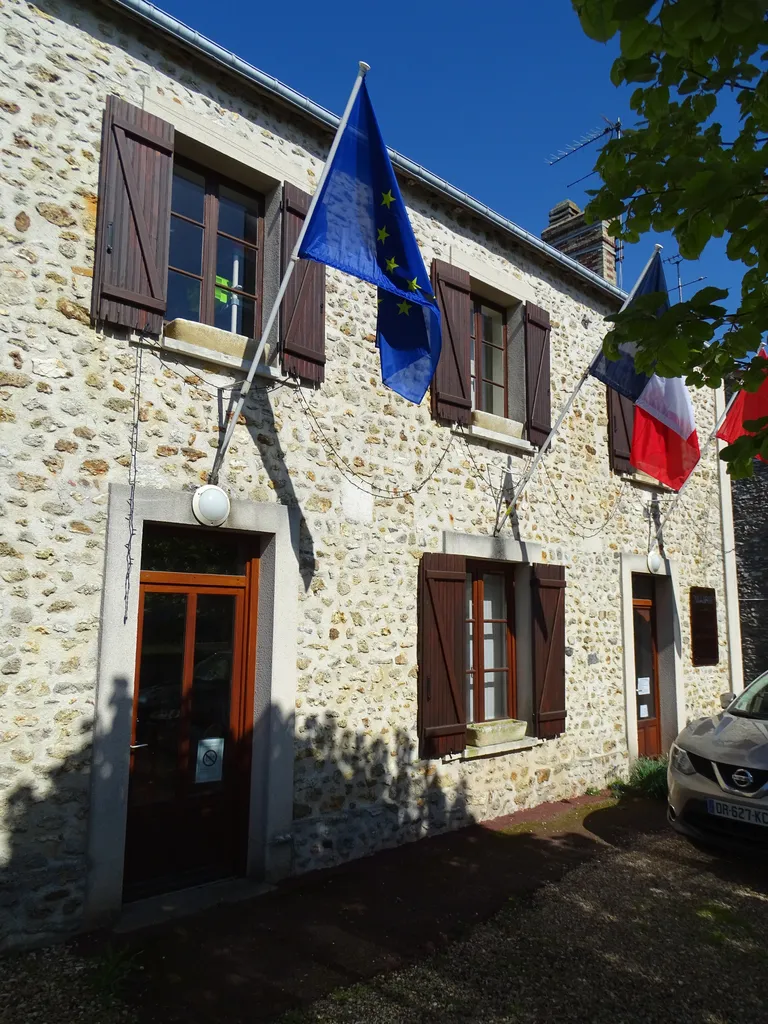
x=106, y=430
x=750, y=501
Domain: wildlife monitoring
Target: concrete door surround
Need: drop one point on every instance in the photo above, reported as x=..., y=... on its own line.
x=271, y=797
x=671, y=694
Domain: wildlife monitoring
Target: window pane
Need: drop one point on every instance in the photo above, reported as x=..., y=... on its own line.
x=183, y=297
x=471, y=321
x=238, y=215
x=493, y=399
x=469, y=607
x=495, y=645
x=234, y=313
x=470, y=634
x=470, y=697
x=188, y=196
x=495, y=695
x=493, y=325
x=494, y=596
x=186, y=246
x=235, y=266
x=176, y=549
x=493, y=364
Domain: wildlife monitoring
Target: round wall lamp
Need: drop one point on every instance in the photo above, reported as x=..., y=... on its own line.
x=210, y=505
x=654, y=561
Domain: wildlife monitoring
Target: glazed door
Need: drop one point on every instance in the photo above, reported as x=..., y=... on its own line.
x=646, y=672
x=190, y=748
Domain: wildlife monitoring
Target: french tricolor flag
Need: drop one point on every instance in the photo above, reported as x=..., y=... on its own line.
x=665, y=444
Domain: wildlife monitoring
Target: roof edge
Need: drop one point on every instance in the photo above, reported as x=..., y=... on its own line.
x=190, y=38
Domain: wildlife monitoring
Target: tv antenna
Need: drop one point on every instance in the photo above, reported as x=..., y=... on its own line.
x=676, y=261
x=610, y=128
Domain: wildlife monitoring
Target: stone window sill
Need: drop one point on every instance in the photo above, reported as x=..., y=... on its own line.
x=210, y=345
x=495, y=749
x=496, y=430
x=640, y=479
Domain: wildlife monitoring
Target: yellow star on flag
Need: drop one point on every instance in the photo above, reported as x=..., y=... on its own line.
x=413, y=286
x=387, y=198
x=383, y=234
x=403, y=307
x=391, y=265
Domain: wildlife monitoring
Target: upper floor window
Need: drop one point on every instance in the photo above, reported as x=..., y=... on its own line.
x=216, y=251
x=488, y=357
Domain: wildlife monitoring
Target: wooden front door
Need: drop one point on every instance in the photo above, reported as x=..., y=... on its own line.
x=646, y=666
x=192, y=712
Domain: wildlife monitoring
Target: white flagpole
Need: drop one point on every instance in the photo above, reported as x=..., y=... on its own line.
x=526, y=478
x=221, y=451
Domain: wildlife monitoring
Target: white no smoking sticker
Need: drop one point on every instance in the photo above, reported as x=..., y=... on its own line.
x=210, y=760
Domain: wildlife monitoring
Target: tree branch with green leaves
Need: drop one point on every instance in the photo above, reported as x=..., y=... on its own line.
x=696, y=63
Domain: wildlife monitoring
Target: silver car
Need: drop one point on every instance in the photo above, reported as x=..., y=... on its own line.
x=718, y=773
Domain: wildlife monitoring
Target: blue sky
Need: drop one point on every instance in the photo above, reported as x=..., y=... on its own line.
x=481, y=94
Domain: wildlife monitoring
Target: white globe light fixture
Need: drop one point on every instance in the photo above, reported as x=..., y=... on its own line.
x=210, y=505
x=654, y=561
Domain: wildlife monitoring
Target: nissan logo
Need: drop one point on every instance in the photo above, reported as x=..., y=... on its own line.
x=742, y=778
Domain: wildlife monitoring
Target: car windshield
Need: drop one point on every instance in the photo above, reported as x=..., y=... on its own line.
x=753, y=702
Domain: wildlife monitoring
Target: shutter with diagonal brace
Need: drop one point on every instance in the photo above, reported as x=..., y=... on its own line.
x=302, y=314
x=130, y=276
x=548, y=623
x=451, y=393
x=442, y=720
x=621, y=421
x=538, y=402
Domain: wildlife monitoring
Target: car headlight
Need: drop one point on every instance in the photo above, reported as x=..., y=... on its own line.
x=680, y=760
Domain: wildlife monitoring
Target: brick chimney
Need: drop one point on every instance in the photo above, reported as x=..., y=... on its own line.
x=589, y=244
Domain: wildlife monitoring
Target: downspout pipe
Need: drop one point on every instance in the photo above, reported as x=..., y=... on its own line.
x=190, y=38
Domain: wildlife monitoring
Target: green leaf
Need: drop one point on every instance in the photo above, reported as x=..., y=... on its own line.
x=596, y=17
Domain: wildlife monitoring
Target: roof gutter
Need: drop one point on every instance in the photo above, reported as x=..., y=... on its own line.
x=189, y=37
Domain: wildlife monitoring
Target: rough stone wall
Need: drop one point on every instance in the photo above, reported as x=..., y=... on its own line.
x=66, y=401
x=750, y=527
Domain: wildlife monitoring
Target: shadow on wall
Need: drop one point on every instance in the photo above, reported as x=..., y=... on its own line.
x=260, y=420
x=356, y=791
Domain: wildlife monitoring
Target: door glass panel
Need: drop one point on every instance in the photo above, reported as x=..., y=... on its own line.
x=176, y=549
x=158, y=712
x=645, y=684
x=494, y=597
x=211, y=685
x=495, y=645
x=495, y=695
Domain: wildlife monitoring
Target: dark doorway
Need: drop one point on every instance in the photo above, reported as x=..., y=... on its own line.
x=646, y=666
x=192, y=711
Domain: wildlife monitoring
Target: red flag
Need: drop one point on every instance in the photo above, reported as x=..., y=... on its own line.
x=749, y=405
x=661, y=452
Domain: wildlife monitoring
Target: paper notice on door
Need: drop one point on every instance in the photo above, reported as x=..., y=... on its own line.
x=210, y=760
x=643, y=685
x=643, y=710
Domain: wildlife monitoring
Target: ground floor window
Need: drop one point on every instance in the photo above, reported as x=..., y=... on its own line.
x=490, y=639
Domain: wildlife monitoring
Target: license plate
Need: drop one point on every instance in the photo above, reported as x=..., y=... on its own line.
x=738, y=812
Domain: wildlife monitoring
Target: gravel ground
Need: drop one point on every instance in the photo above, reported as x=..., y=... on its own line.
x=56, y=986
x=655, y=932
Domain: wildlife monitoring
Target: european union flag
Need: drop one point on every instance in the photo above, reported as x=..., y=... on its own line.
x=360, y=226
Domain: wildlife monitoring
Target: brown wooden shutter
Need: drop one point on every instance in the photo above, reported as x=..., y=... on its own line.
x=133, y=223
x=442, y=719
x=705, y=649
x=302, y=314
x=548, y=621
x=538, y=403
x=621, y=421
x=451, y=385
